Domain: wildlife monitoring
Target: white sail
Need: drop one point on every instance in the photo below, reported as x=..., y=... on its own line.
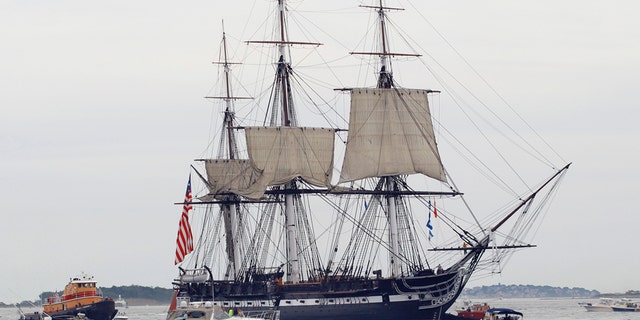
x=281, y=154
x=390, y=133
x=229, y=175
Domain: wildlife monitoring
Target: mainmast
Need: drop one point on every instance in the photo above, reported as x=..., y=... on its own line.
x=283, y=114
x=283, y=67
x=290, y=216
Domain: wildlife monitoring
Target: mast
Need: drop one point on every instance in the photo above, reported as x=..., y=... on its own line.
x=283, y=112
x=290, y=140
x=397, y=99
x=228, y=114
x=385, y=80
x=232, y=220
x=290, y=215
x=283, y=66
x=385, y=75
x=393, y=228
x=282, y=104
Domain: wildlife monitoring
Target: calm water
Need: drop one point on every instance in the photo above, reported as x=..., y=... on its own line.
x=533, y=309
x=558, y=309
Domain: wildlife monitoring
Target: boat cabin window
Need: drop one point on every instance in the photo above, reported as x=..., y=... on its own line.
x=196, y=314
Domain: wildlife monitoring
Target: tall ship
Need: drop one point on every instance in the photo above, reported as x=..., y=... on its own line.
x=336, y=221
x=81, y=298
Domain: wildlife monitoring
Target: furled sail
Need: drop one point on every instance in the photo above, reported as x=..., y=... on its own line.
x=280, y=154
x=390, y=133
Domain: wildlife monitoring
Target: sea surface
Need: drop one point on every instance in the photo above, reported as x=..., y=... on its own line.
x=533, y=309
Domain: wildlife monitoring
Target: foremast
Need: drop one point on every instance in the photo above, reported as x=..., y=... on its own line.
x=385, y=77
x=385, y=80
x=391, y=182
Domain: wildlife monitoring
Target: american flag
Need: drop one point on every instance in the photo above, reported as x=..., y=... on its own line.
x=184, y=243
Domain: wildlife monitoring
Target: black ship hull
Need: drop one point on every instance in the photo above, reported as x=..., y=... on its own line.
x=409, y=310
x=103, y=310
x=419, y=297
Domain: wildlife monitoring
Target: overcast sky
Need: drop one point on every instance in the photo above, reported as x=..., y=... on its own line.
x=101, y=113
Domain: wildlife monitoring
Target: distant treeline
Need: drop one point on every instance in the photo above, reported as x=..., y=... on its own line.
x=529, y=291
x=134, y=295
x=628, y=294
x=140, y=295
